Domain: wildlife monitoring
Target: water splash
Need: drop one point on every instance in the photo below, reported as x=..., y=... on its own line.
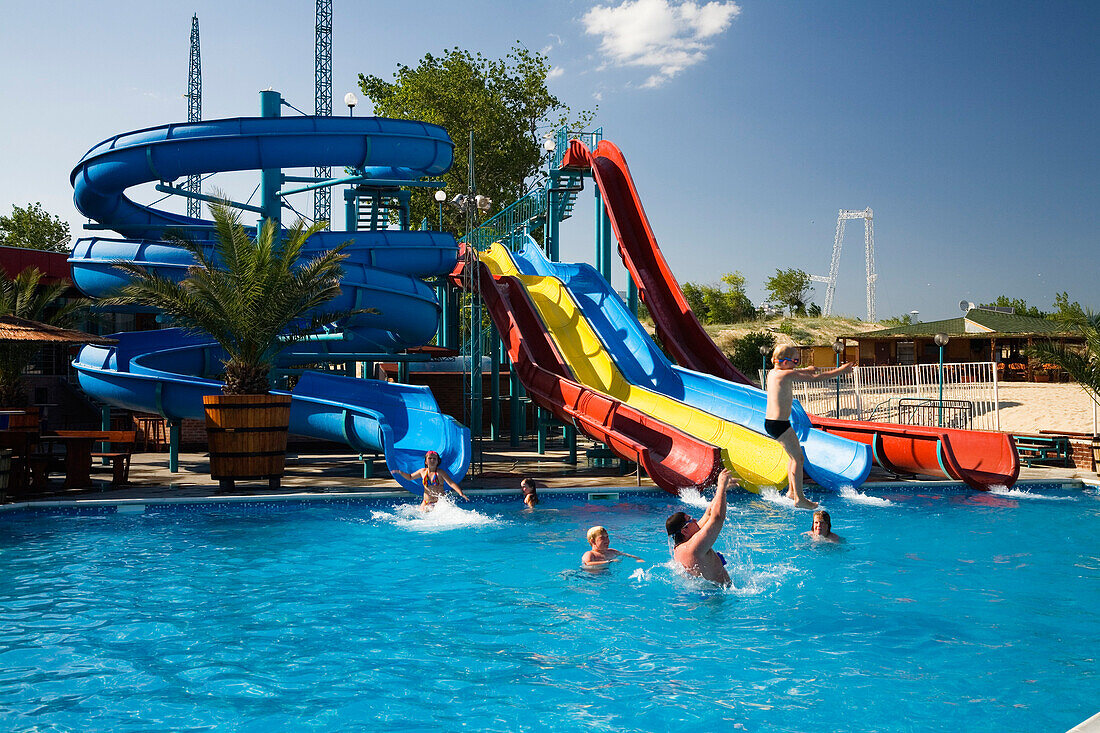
x=443, y=517
x=1023, y=494
x=695, y=498
x=772, y=495
x=850, y=494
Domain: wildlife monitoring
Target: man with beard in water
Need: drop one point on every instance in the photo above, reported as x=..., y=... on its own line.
x=695, y=539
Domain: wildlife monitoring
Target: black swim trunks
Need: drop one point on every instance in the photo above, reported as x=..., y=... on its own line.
x=775, y=428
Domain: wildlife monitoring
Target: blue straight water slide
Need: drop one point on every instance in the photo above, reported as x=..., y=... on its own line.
x=168, y=371
x=831, y=461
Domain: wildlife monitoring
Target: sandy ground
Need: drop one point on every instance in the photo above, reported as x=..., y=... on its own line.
x=1029, y=408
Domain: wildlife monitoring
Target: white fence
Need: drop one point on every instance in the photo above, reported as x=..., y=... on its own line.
x=909, y=395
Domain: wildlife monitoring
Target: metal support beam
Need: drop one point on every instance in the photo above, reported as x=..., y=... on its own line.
x=270, y=178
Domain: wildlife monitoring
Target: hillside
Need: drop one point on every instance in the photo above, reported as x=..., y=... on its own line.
x=802, y=331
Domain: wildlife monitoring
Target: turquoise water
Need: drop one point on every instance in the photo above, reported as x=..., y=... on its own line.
x=944, y=611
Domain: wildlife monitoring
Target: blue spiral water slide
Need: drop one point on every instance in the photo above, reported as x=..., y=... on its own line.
x=168, y=371
x=831, y=461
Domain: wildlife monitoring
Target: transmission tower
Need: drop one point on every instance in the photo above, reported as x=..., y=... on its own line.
x=322, y=97
x=869, y=240
x=194, y=112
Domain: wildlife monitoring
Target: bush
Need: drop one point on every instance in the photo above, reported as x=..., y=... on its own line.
x=746, y=352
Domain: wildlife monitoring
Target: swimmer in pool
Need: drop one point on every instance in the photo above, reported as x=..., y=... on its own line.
x=434, y=479
x=695, y=539
x=530, y=494
x=601, y=553
x=822, y=529
x=777, y=418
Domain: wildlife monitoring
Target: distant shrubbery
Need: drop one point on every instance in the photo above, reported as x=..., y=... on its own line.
x=714, y=305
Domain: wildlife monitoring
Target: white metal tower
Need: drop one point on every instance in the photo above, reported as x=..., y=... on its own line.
x=869, y=239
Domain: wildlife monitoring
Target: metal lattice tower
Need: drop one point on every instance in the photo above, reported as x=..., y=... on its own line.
x=869, y=240
x=194, y=111
x=322, y=97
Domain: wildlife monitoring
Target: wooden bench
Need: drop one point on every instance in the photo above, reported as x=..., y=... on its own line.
x=1053, y=449
x=122, y=441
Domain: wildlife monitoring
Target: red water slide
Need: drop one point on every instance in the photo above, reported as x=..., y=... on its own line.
x=673, y=459
x=980, y=459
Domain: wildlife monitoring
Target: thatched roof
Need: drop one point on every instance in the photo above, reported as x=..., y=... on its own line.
x=21, y=329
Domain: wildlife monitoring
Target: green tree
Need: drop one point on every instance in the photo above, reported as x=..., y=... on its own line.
x=505, y=102
x=34, y=228
x=904, y=320
x=790, y=288
x=1065, y=310
x=25, y=296
x=248, y=298
x=1082, y=363
x=1018, y=304
x=746, y=351
x=714, y=305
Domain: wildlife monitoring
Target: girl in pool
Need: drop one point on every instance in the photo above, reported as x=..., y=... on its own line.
x=530, y=494
x=434, y=479
x=823, y=528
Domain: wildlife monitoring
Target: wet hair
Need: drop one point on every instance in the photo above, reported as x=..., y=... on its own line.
x=428, y=455
x=594, y=532
x=825, y=516
x=528, y=487
x=674, y=525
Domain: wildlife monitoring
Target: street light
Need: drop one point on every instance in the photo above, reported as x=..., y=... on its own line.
x=350, y=100
x=838, y=347
x=440, y=197
x=764, y=351
x=941, y=340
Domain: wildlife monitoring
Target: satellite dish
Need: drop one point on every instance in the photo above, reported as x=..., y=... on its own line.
x=966, y=306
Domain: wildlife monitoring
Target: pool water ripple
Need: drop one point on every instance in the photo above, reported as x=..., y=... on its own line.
x=943, y=611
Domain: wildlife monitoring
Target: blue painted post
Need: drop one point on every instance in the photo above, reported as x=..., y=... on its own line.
x=104, y=424
x=571, y=441
x=270, y=178
x=516, y=414
x=402, y=372
x=541, y=418
x=631, y=295
x=552, y=199
x=174, y=446
x=941, y=388
x=605, y=232
x=351, y=219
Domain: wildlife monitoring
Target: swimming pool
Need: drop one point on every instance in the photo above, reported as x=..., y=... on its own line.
x=945, y=610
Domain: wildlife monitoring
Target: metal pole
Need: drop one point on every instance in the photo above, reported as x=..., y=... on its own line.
x=270, y=178
x=837, y=385
x=941, y=388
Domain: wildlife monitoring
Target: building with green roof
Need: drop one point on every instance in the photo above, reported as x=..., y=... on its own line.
x=982, y=335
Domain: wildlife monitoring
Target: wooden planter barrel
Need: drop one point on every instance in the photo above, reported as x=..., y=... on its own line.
x=247, y=437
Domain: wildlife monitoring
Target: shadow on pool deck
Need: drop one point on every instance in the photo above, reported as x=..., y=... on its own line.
x=326, y=473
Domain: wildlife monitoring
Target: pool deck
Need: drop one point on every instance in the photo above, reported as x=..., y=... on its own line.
x=312, y=474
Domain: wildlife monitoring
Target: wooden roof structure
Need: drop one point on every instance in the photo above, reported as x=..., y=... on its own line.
x=13, y=328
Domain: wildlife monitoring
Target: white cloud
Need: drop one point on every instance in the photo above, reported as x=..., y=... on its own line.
x=555, y=72
x=665, y=35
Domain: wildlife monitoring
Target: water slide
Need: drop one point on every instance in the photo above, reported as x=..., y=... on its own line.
x=831, y=461
x=168, y=371
x=980, y=459
x=673, y=459
x=758, y=461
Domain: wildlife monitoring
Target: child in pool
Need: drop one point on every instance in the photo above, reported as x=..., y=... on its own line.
x=777, y=418
x=822, y=529
x=601, y=553
x=434, y=479
x=530, y=494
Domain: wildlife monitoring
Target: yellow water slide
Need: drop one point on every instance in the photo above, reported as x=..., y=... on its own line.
x=757, y=460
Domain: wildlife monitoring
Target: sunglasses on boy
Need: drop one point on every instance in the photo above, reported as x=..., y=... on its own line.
x=788, y=358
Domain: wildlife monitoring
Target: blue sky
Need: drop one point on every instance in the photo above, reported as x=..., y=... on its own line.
x=969, y=128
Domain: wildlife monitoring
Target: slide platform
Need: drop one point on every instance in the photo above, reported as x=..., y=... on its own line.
x=756, y=460
x=980, y=459
x=167, y=371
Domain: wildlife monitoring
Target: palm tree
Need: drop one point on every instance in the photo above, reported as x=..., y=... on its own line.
x=26, y=297
x=248, y=298
x=1081, y=363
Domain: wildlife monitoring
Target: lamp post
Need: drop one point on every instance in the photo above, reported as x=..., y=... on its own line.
x=350, y=100
x=764, y=351
x=838, y=347
x=440, y=197
x=941, y=340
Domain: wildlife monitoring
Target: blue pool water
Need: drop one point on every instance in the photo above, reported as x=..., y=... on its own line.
x=946, y=610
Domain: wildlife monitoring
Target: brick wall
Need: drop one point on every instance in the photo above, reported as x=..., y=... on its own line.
x=1082, y=454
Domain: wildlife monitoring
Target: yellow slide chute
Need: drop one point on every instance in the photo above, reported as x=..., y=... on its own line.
x=757, y=460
